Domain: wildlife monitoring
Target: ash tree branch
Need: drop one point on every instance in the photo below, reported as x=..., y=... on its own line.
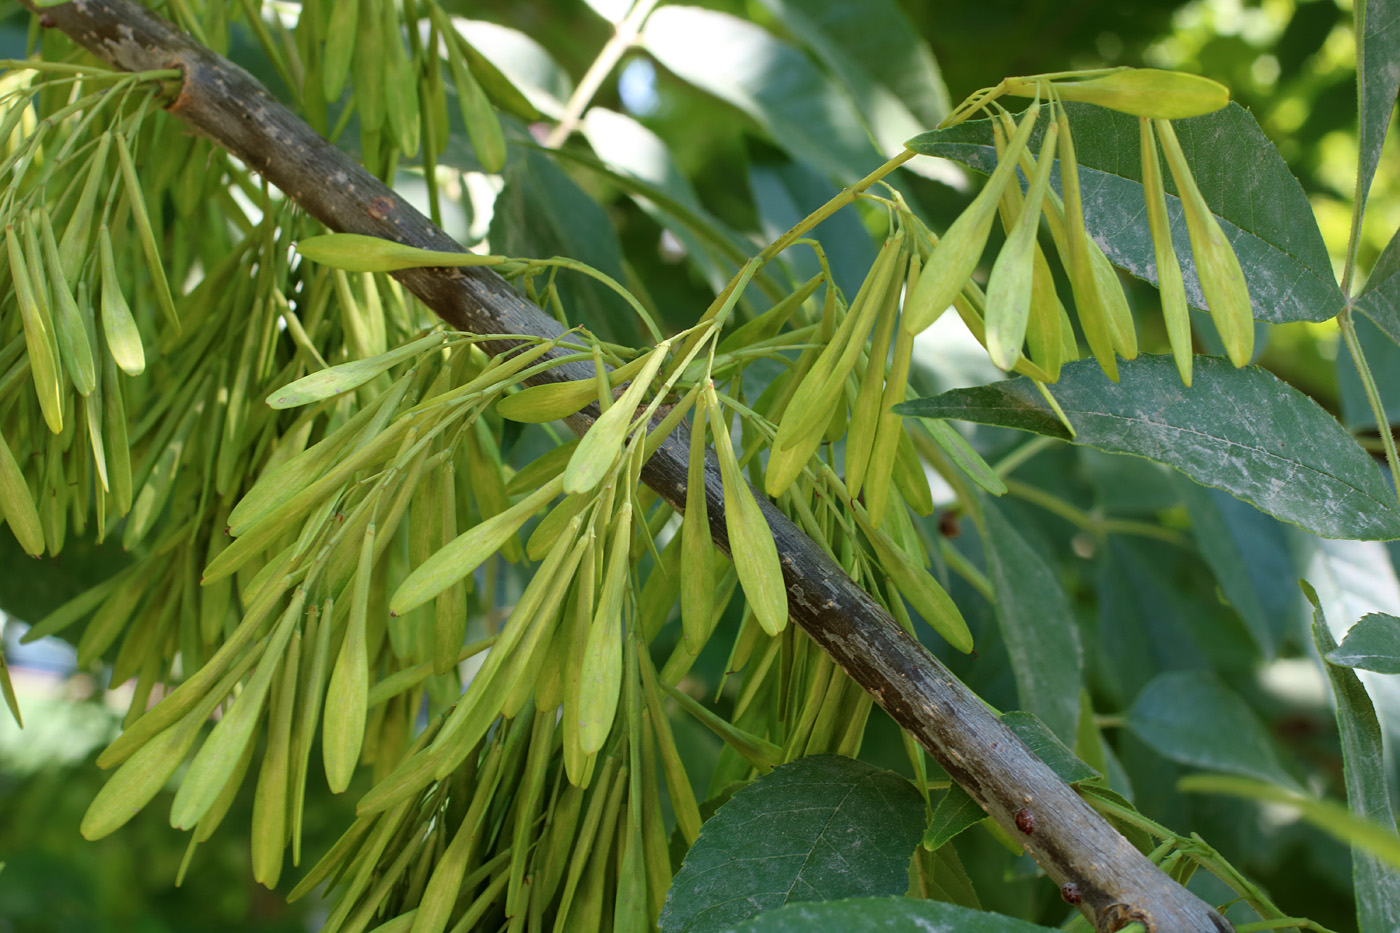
x=1114, y=883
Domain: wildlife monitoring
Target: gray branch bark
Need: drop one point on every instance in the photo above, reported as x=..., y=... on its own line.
x=1114, y=884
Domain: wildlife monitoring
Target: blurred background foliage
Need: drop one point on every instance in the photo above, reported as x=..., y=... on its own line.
x=1145, y=605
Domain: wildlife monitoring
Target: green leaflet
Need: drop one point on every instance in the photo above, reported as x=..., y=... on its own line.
x=1242, y=430
x=733, y=872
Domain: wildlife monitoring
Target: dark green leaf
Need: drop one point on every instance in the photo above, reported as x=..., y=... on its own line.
x=1193, y=718
x=1373, y=644
x=955, y=812
x=776, y=85
x=818, y=828
x=950, y=882
x=541, y=213
x=1036, y=624
x=1382, y=355
x=1140, y=630
x=885, y=915
x=1159, y=610
x=1262, y=209
x=1380, y=299
x=1378, y=78
x=1242, y=430
x=1047, y=746
x=1386, y=267
x=1377, y=883
x=1126, y=485
x=1248, y=552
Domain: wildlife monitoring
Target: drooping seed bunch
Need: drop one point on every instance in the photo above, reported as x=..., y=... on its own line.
x=337, y=630
x=1019, y=315
x=60, y=265
x=374, y=504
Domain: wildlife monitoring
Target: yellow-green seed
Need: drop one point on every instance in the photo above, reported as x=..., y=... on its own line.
x=808, y=413
x=467, y=551
x=214, y=762
x=1093, y=314
x=146, y=233
x=1142, y=92
x=598, y=449
x=918, y=586
x=269, y=822
x=697, y=546
x=347, y=696
x=1217, y=266
x=38, y=334
x=1009, y=287
x=355, y=252
x=72, y=334
x=751, y=544
x=347, y=376
x=118, y=324
x=478, y=116
x=955, y=257
x=1170, y=285
x=18, y=504
x=600, y=679
x=555, y=400
x=78, y=234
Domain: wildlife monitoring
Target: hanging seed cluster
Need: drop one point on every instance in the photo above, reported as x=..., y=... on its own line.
x=1019, y=318
x=323, y=499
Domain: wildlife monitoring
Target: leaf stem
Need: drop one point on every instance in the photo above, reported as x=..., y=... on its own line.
x=1021, y=454
x=1373, y=395
x=959, y=564
x=1052, y=503
x=622, y=38
x=847, y=196
x=1358, y=195
x=1282, y=923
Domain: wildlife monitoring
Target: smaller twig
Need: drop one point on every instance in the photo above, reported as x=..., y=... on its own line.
x=1373, y=395
x=622, y=38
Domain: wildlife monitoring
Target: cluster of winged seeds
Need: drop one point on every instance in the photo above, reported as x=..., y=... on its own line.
x=379, y=510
